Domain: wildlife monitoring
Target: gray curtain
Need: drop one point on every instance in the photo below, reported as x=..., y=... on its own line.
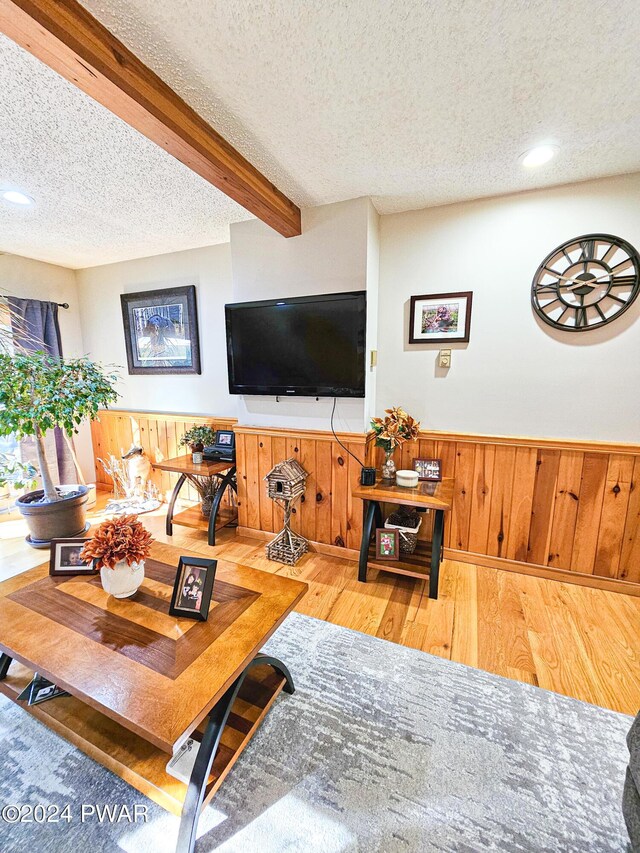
x=34, y=327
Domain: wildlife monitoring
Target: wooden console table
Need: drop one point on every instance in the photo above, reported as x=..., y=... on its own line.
x=225, y=472
x=427, y=557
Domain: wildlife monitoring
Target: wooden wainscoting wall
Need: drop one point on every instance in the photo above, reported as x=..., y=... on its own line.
x=328, y=516
x=159, y=434
x=544, y=506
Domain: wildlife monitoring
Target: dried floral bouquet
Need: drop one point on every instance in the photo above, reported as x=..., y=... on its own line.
x=395, y=429
x=118, y=539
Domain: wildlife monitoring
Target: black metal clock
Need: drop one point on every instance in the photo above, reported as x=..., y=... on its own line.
x=586, y=283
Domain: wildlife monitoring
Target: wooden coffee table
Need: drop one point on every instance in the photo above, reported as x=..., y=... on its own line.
x=141, y=681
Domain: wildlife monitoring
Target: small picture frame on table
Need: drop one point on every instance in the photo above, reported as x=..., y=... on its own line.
x=428, y=469
x=387, y=544
x=193, y=588
x=66, y=558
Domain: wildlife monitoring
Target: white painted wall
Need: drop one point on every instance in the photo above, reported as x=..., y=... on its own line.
x=209, y=269
x=31, y=279
x=330, y=256
x=517, y=376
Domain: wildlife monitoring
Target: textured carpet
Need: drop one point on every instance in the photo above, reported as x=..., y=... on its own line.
x=381, y=748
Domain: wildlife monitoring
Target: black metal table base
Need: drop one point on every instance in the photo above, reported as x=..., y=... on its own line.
x=225, y=482
x=5, y=661
x=372, y=512
x=208, y=748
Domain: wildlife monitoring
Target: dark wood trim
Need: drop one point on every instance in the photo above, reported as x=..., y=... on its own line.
x=63, y=35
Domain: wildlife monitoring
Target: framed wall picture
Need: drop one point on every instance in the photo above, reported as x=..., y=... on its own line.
x=387, y=544
x=161, y=331
x=428, y=469
x=440, y=318
x=193, y=588
x=66, y=558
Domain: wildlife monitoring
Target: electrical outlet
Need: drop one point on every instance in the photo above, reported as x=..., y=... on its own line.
x=444, y=358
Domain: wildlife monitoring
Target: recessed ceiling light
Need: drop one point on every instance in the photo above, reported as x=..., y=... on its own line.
x=538, y=156
x=16, y=197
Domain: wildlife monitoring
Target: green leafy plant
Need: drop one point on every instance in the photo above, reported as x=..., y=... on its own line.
x=39, y=392
x=198, y=435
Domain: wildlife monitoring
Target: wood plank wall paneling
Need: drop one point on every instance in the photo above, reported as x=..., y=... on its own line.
x=327, y=514
x=159, y=434
x=572, y=506
x=566, y=506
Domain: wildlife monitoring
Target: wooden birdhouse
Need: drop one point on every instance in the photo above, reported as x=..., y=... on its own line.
x=286, y=480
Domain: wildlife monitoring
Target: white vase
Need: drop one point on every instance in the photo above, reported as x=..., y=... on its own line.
x=122, y=581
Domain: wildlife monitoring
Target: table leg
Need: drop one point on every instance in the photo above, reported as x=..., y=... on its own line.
x=172, y=503
x=208, y=748
x=371, y=511
x=5, y=661
x=226, y=482
x=436, y=553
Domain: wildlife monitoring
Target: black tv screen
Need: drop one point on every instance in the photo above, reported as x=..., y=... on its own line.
x=312, y=345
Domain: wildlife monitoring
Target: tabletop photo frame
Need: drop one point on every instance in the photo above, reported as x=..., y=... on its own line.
x=429, y=470
x=65, y=558
x=193, y=588
x=387, y=544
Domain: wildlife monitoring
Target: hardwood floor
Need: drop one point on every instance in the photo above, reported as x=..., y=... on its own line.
x=574, y=640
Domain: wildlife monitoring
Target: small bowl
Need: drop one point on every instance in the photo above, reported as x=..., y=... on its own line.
x=408, y=479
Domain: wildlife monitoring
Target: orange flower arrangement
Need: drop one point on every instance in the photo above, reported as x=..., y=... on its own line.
x=395, y=429
x=116, y=539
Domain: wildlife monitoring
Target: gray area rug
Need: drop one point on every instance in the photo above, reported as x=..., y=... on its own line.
x=381, y=748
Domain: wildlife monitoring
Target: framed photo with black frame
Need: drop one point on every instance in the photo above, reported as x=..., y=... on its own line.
x=161, y=331
x=66, y=560
x=193, y=588
x=440, y=318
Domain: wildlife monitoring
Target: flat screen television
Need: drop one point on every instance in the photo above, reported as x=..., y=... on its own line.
x=310, y=345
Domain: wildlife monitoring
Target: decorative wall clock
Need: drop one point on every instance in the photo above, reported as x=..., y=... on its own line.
x=586, y=283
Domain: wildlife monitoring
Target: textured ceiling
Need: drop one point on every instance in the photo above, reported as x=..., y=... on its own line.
x=413, y=103
x=103, y=192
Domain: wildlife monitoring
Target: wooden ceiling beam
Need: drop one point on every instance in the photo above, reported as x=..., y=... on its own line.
x=63, y=35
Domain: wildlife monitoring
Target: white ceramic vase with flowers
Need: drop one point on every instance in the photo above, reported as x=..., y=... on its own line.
x=119, y=548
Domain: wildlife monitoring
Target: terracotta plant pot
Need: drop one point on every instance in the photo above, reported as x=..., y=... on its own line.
x=196, y=453
x=122, y=581
x=56, y=520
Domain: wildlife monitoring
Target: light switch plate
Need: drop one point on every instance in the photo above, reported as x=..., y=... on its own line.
x=444, y=358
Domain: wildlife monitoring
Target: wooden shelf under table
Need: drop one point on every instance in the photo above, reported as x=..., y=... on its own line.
x=416, y=565
x=134, y=759
x=193, y=517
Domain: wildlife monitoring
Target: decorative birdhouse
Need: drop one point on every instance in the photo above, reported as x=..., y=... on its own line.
x=286, y=482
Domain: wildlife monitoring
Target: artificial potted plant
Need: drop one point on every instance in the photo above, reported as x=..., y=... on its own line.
x=197, y=438
x=391, y=432
x=119, y=548
x=37, y=393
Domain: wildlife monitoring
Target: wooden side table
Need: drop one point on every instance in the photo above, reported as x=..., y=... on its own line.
x=427, y=557
x=225, y=472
